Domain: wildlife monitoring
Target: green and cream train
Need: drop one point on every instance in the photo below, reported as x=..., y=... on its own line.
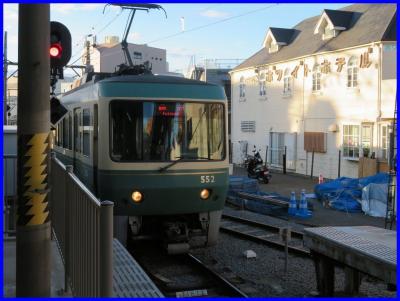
x=154, y=145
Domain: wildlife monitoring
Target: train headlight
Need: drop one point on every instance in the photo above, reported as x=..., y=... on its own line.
x=205, y=194
x=137, y=196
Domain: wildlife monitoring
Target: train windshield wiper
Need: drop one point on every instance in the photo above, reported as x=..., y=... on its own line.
x=180, y=159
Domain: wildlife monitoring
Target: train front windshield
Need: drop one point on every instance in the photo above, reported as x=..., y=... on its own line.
x=166, y=131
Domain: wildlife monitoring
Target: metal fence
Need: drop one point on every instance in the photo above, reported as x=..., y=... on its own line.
x=10, y=194
x=83, y=227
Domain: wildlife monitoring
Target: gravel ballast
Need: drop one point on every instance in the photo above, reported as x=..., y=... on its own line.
x=264, y=276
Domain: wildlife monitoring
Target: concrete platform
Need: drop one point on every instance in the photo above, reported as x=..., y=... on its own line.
x=130, y=280
x=9, y=273
x=364, y=249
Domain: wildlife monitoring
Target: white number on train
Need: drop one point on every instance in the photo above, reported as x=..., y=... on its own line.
x=207, y=179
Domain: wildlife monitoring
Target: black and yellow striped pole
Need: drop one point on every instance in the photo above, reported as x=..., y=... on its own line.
x=33, y=221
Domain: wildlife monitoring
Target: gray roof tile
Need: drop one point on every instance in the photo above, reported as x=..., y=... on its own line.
x=370, y=23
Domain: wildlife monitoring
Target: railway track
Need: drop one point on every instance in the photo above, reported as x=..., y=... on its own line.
x=263, y=233
x=183, y=275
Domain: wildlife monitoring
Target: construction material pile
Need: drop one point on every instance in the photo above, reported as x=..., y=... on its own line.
x=345, y=194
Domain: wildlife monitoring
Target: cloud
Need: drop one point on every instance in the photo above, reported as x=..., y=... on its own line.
x=210, y=13
x=10, y=15
x=67, y=8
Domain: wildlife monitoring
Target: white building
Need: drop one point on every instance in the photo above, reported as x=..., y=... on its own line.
x=106, y=57
x=328, y=85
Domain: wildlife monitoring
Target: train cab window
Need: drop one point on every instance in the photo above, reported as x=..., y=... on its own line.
x=157, y=131
x=126, y=130
x=86, y=132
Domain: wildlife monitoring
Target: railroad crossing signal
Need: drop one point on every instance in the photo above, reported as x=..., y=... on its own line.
x=60, y=48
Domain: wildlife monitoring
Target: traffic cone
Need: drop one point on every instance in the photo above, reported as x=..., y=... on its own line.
x=320, y=179
x=292, y=204
x=303, y=207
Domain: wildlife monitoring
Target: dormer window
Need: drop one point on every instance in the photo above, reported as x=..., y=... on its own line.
x=329, y=33
x=273, y=48
x=332, y=22
x=277, y=38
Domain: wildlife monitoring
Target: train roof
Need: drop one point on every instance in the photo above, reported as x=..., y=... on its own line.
x=146, y=86
x=156, y=79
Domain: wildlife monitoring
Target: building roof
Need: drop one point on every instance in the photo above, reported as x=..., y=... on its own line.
x=369, y=23
x=106, y=47
x=339, y=18
x=282, y=35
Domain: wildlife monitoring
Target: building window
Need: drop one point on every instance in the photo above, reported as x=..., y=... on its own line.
x=352, y=73
x=248, y=126
x=262, y=83
x=366, y=139
x=137, y=55
x=287, y=83
x=242, y=88
x=384, y=141
x=316, y=78
x=351, y=138
x=273, y=48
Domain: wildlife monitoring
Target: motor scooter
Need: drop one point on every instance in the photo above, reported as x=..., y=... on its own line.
x=255, y=167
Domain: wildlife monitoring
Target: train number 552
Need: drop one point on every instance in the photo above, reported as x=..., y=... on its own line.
x=207, y=179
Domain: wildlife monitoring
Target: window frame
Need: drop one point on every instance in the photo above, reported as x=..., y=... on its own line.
x=86, y=129
x=287, y=83
x=384, y=146
x=316, y=78
x=352, y=73
x=242, y=89
x=225, y=124
x=370, y=138
x=355, y=148
x=262, y=86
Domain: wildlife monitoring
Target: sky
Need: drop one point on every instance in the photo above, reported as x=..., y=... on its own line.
x=210, y=31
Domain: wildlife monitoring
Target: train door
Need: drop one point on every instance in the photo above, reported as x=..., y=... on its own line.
x=95, y=148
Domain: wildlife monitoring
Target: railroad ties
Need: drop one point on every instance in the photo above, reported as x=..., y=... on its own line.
x=268, y=234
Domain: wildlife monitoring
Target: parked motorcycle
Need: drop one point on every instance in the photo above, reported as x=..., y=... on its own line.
x=255, y=167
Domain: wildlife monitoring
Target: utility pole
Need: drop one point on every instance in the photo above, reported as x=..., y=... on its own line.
x=5, y=70
x=87, y=45
x=33, y=220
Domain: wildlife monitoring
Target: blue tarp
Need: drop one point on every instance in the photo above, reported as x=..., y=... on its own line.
x=344, y=194
x=374, y=199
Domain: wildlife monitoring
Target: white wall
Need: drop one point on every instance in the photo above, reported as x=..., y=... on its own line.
x=106, y=59
x=306, y=110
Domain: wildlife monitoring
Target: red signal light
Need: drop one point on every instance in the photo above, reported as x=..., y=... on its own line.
x=55, y=51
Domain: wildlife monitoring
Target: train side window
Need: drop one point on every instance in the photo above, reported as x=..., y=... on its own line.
x=70, y=131
x=86, y=132
x=56, y=135
x=60, y=133
x=65, y=132
x=77, y=140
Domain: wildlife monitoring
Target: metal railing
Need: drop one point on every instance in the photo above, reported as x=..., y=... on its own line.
x=10, y=194
x=83, y=227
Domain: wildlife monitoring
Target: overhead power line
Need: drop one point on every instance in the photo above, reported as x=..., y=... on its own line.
x=213, y=23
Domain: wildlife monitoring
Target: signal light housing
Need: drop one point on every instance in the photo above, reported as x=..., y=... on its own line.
x=60, y=48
